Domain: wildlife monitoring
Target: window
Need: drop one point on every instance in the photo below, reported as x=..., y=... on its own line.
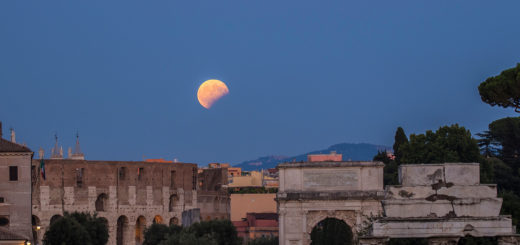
x=172, y=179
x=122, y=173
x=13, y=173
x=2, y=199
x=4, y=221
x=140, y=173
x=79, y=176
x=34, y=175
x=194, y=181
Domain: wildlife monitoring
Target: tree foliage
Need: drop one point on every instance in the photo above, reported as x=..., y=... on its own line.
x=448, y=144
x=156, y=233
x=502, y=90
x=95, y=226
x=264, y=241
x=505, y=133
x=399, y=140
x=214, y=232
x=77, y=228
x=390, y=169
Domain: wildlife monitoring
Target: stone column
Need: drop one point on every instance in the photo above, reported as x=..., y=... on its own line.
x=509, y=240
x=112, y=230
x=443, y=240
x=373, y=241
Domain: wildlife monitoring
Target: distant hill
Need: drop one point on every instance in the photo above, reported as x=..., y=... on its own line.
x=350, y=152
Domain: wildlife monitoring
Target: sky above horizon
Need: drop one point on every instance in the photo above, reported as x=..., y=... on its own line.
x=302, y=75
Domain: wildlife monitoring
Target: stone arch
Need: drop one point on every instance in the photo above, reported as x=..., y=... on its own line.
x=174, y=221
x=36, y=226
x=158, y=219
x=174, y=199
x=314, y=217
x=54, y=218
x=140, y=225
x=331, y=231
x=121, y=230
x=102, y=202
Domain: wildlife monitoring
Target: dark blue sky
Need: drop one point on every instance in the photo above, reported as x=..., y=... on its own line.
x=302, y=74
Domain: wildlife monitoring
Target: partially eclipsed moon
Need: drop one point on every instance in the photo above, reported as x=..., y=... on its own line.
x=210, y=91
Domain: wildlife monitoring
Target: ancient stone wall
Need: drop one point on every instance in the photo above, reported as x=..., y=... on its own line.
x=213, y=199
x=311, y=192
x=129, y=195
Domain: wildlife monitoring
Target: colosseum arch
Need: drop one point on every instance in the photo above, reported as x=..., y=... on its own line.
x=101, y=202
x=140, y=225
x=54, y=218
x=122, y=230
x=174, y=221
x=174, y=199
x=36, y=226
x=158, y=219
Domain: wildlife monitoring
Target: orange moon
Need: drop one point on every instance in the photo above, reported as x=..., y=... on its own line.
x=210, y=92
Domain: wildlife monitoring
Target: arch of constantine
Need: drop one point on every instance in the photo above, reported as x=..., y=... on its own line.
x=440, y=202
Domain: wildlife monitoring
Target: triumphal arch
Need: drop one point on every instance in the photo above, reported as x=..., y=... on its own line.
x=439, y=202
x=311, y=192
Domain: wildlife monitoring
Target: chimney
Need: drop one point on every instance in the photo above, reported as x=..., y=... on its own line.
x=13, y=136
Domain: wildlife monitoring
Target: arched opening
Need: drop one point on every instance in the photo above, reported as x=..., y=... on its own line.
x=157, y=219
x=36, y=226
x=55, y=218
x=174, y=221
x=173, y=201
x=140, y=225
x=331, y=231
x=122, y=230
x=101, y=202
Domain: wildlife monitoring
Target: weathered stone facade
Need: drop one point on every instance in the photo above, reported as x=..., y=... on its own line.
x=129, y=195
x=311, y=192
x=15, y=190
x=441, y=202
x=213, y=199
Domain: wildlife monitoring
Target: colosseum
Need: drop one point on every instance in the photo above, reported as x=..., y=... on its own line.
x=128, y=195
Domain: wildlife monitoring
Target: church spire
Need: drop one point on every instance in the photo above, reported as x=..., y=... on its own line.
x=77, y=155
x=56, y=152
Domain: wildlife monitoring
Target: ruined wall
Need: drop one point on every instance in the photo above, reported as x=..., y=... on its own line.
x=134, y=193
x=212, y=196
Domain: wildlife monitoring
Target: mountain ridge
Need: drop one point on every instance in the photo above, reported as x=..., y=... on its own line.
x=350, y=152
